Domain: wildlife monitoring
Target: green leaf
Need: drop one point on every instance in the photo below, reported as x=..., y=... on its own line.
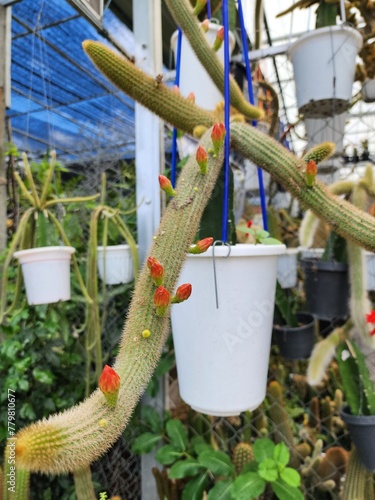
x=167, y=454
x=166, y=363
x=201, y=447
x=145, y=443
x=291, y=477
x=271, y=241
x=221, y=491
x=151, y=416
x=217, y=462
x=263, y=448
x=43, y=376
x=195, y=487
x=185, y=468
x=268, y=470
x=177, y=434
x=281, y=454
x=248, y=486
x=285, y=492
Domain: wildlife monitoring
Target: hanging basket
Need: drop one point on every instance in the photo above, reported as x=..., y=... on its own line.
x=193, y=76
x=46, y=273
x=326, y=288
x=362, y=432
x=324, y=65
x=296, y=342
x=331, y=128
x=115, y=264
x=222, y=353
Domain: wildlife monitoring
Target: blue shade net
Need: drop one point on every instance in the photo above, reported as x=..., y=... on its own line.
x=59, y=100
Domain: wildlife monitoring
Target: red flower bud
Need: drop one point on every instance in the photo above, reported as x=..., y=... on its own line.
x=162, y=300
x=166, y=186
x=201, y=246
x=109, y=384
x=201, y=157
x=370, y=318
x=219, y=39
x=311, y=171
x=183, y=292
x=157, y=273
x=217, y=136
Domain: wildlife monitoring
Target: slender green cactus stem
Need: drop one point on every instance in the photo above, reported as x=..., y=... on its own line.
x=358, y=482
x=83, y=484
x=284, y=167
x=182, y=13
x=72, y=440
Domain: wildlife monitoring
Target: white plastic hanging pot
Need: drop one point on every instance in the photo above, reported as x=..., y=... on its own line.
x=324, y=65
x=193, y=76
x=115, y=264
x=368, y=90
x=46, y=273
x=222, y=353
x=287, y=268
x=331, y=128
x=370, y=270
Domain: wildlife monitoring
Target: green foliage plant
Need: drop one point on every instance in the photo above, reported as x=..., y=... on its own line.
x=32, y=230
x=200, y=467
x=72, y=440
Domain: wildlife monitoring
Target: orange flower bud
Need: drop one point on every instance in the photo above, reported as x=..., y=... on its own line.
x=157, y=273
x=201, y=246
x=311, y=171
x=151, y=261
x=217, y=136
x=176, y=89
x=162, y=300
x=109, y=384
x=166, y=186
x=201, y=157
x=183, y=292
x=219, y=39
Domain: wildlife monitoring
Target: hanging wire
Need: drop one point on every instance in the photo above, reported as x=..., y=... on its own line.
x=208, y=9
x=177, y=83
x=245, y=51
x=224, y=226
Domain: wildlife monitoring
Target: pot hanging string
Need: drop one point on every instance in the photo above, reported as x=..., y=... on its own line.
x=208, y=9
x=177, y=84
x=224, y=225
x=245, y=52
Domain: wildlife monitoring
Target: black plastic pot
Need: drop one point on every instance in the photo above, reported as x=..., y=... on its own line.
x=362, y=432
x=326, y=288
x=296, y=342
x=326, y=326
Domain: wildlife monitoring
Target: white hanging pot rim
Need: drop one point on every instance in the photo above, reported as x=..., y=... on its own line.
x=241, y=250
x=43, y=251
x=321, y=31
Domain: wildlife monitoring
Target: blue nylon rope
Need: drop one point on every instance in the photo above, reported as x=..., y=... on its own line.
x=208, y=9
x=224, y=226
x=174, y=134
x=251, y=99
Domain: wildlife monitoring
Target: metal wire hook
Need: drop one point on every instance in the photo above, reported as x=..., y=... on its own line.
x=214, y=264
